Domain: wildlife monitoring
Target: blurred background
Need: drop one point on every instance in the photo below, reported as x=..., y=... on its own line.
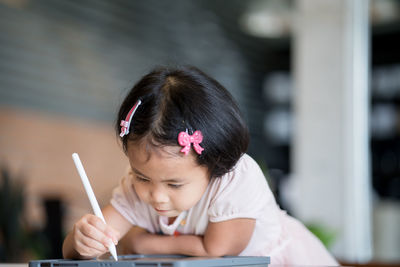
x=318, y=82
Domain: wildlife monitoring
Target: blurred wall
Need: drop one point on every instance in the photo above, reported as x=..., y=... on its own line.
x=38, y=146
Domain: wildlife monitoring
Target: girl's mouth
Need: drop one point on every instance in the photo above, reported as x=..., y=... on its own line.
x=161, y=210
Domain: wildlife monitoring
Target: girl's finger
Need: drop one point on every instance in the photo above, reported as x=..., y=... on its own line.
x=88, y=251
x=92, y=232
x=113, y=234
x=91, y=242
x=107, y=230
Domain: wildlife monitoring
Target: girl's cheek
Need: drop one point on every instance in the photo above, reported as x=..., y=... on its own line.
x=144, y=193
x=139, y=191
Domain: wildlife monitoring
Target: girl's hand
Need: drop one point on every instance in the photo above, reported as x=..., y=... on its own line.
x=91, y=236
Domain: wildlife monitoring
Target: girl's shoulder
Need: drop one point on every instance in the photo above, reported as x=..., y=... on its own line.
x=247, y=160
x=246, y=174
x=247, y=167
x=243, y=192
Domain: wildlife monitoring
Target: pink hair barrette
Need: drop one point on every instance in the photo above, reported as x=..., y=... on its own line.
x=185, y=139
x=125, y=124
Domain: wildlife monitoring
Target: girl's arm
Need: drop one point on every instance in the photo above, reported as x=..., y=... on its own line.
x=90, y=236
x=222, y=238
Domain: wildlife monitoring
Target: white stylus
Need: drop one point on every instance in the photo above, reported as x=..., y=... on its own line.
x=92, y=198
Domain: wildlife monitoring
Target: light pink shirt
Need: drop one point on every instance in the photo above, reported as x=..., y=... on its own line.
x=241, y=193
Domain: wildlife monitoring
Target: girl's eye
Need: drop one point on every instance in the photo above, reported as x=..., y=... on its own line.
x=175, y=185
x=142, y=179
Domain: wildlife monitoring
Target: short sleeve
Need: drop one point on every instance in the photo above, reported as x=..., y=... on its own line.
x=242, y=193
x=126, y=201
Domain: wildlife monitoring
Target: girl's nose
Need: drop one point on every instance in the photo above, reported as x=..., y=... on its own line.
x=159, y=195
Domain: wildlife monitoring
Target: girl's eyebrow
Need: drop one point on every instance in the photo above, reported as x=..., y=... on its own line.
x=173, y=180
x=139, y=173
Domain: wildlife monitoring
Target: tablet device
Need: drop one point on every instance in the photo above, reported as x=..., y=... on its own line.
x=157, y=261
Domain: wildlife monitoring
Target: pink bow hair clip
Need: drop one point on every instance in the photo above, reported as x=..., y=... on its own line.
x=185, y=139
x=125, y=124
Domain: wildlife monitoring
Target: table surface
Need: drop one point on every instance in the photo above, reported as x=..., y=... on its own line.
x=14, y=264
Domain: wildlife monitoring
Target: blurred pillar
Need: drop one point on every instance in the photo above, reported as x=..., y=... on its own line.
x=331, y=138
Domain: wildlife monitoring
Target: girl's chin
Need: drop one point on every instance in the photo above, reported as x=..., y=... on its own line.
x=168, y=213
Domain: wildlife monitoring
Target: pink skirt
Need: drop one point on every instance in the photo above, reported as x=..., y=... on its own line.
x=298, y=246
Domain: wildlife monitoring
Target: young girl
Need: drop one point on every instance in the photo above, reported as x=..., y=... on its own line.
x=190, y=186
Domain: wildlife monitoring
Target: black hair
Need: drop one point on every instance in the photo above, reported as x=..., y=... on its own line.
x=185, y=98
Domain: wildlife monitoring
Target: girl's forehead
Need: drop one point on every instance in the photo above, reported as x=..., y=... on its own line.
x=147, y=150
x=166, y=161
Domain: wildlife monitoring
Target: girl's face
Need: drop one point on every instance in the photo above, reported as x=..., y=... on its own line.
x=166, y=179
